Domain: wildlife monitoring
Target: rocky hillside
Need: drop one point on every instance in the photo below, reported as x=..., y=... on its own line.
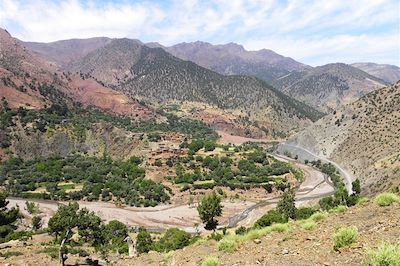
x=362, y=136
x=155, y=76
x=329, y=86
x=325, y=87
x=28, y=80
x=388, y=73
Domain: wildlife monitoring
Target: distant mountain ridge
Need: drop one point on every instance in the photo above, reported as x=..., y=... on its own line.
x=325, y=87
x=388, y=73
x=323, y=91
x=329, y=86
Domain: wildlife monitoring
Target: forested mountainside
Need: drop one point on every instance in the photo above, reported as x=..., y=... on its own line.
x=362, y=136
x=324, y=87
x=155, y=76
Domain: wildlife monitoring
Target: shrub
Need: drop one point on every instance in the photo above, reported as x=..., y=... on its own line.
x=227, y=245
x=309, y=225
x=173, y=239
x=241, y=230
x=384, y=255
x=362, y=200
x=386, y=199
x=210, y=261
x=215, y=236
x=327, y=203
x=279, y=228
x=318, y=216
x=304, y=213
x=344, y=236
x=272, y=216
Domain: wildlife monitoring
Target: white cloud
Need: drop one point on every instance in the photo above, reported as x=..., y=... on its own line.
x=341, y=48
x=313, y=31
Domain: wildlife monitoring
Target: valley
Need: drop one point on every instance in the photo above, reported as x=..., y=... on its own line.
x=114, y=151
x=157, y=219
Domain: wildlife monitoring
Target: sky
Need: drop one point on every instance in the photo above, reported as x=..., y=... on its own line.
x=314, y=32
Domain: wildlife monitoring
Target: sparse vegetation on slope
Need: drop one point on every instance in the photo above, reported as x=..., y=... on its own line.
x=344, y=236
x=384, y=255
x=386, y=199
x=362, y=137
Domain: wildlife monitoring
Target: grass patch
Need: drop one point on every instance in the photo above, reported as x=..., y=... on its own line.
x=338, y=209
x=279, y=228
x=362, y=201
x=210, y=261
x=9, y=254
x=309, y=225
x=230, y=242
x=344, y=236
x=386, y=199
x=227, y=245
x=318, y=216
x=384, y=254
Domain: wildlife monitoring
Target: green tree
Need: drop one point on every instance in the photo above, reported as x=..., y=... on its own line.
x=7, y=217
x=143, y=241
x=286, y=205
x=356, y=184
x=113, y=235
x=209, y=208
x=36, y=222
x=69, y=217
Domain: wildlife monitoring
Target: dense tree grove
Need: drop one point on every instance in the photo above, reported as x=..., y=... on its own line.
x=97, y=177
x=252, y=169
x=80, y=120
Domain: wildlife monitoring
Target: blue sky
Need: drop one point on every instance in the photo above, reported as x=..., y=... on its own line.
x=314, y=32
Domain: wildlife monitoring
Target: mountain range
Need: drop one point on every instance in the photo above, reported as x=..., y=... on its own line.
x=127, y=77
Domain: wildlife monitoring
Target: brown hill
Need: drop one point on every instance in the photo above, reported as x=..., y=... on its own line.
x=24, y=77
x=329, y=86
x=62, y=53
x=388, y=73
x=153, y=75
x=362, y=136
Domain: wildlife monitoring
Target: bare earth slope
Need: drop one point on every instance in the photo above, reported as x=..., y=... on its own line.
x=329, y=86
x=23, y=75
x=62, y=53
x=363, y=136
